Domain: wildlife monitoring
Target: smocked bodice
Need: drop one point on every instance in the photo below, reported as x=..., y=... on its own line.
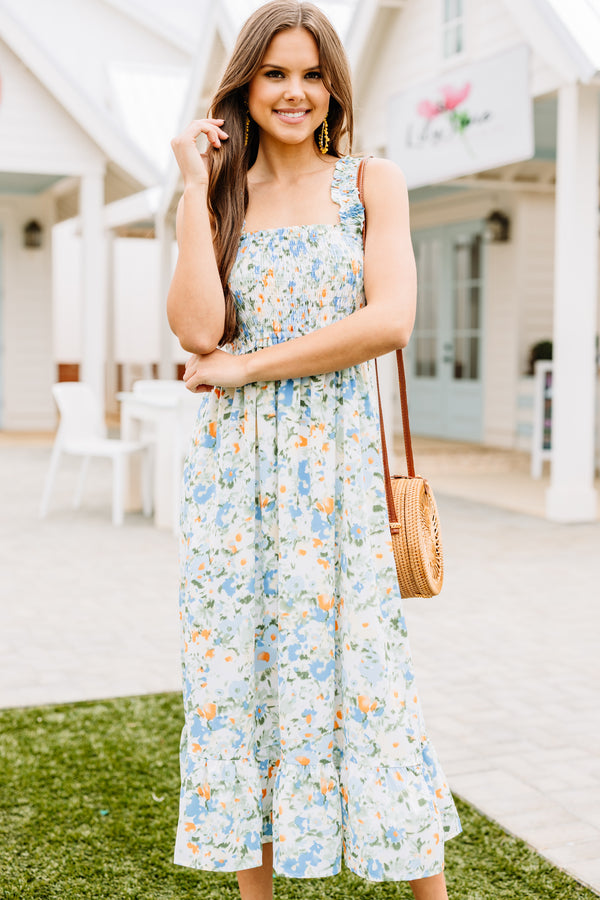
x=292, y=280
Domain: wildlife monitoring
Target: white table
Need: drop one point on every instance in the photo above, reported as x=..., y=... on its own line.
x=159, y=417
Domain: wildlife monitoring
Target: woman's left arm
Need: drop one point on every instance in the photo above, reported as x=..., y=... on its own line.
x=384, y=324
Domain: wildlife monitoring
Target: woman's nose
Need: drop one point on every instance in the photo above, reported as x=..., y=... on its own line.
x=293, y=89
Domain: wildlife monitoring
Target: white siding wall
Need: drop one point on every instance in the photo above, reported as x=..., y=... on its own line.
x=490, y=28
x=26, y=360
x=535, y=272
x=36, y=134
x=501, y=317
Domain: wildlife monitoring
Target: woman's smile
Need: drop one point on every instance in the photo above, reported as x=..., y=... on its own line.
x=292, y=115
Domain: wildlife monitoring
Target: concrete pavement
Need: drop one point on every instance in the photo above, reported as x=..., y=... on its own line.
x=506, y=658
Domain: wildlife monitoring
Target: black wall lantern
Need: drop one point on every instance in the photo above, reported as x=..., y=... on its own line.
x=497, y=227
x=32, y=234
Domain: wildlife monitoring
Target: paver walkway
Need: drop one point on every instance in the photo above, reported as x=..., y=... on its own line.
x=506, y=657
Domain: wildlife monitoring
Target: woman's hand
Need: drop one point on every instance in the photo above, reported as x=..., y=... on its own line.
x=189, y=159
x=216, y=368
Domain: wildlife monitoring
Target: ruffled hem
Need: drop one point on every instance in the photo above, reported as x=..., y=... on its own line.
x=388, y=822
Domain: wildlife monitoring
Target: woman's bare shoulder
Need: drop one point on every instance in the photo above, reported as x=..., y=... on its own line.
x=383, y=175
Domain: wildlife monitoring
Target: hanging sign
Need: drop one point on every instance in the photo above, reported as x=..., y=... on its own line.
x=472, y=118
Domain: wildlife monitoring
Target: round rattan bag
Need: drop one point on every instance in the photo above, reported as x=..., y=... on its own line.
x=412, y=512
x=416, y=539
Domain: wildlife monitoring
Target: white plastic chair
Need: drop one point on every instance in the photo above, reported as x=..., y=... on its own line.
x=82, y=432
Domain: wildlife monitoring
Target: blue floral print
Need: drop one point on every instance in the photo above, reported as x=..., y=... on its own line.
x=302, y=720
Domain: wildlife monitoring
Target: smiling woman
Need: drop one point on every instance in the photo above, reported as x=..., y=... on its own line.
x=304, y=741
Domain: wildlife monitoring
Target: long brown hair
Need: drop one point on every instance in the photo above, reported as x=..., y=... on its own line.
x=228, y=166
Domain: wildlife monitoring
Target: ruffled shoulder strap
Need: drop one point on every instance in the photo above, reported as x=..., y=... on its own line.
x=344, y=192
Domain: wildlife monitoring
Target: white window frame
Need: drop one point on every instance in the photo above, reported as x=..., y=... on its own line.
x=453, y=25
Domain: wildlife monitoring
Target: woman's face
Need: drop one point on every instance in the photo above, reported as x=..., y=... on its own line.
x=287, y=98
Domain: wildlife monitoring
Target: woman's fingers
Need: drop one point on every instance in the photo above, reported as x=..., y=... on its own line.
x=210, y=127
x=213, y=137
x=198, y=388
x=190, y=378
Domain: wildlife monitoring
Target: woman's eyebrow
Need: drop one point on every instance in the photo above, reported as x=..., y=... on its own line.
x=285, y=68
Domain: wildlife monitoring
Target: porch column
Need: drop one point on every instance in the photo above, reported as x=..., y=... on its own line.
x=111, y=380
x=165, y=235
x=571, y=496
x=91, y=208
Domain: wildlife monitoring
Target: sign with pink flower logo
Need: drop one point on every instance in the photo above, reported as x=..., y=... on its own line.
x=471, y=118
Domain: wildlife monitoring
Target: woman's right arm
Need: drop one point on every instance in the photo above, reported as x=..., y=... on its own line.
x=195, y=303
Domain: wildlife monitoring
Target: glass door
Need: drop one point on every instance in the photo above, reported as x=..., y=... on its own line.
x=445, y=351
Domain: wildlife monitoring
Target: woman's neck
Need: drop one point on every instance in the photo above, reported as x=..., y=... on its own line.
x=277, y=162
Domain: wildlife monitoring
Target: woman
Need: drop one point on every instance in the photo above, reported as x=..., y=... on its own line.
x=303, y=727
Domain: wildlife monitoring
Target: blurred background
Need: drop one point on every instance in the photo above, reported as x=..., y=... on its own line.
x=491, y=110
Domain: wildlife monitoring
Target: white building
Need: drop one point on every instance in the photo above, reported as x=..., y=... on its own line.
x=66, y=150
x=492, y=106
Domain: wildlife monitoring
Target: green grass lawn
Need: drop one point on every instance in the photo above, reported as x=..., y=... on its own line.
x=88, y=808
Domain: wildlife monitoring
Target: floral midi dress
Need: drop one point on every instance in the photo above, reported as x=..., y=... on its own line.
x=302, y=720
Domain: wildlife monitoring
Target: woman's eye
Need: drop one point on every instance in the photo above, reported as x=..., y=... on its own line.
x=275, y=73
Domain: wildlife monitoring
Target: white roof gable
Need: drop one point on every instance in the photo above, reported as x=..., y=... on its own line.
x=38, y=137
x=93, y=120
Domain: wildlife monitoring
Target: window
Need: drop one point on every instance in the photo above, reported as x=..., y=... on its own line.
x=453, y=28
x=426, y=337
x=466, y=303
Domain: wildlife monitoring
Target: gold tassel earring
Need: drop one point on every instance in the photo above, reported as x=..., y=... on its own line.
x=324, y=137
x=246, y=130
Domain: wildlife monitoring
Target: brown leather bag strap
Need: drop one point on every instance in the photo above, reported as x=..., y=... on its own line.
x=410, y=463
